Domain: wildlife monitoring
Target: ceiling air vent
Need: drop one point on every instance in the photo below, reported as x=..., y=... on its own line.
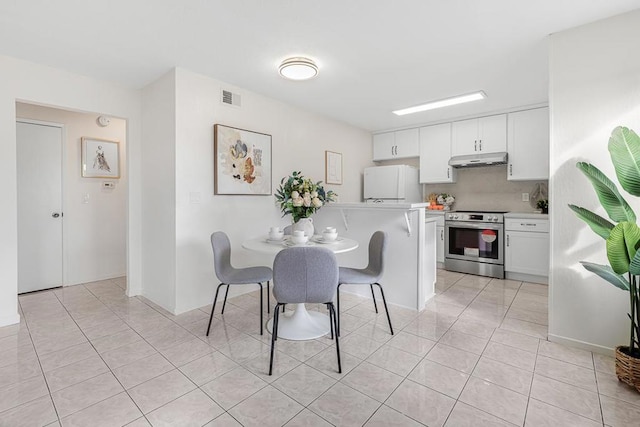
x=230, y=98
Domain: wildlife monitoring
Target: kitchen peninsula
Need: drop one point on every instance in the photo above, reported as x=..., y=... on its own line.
x=410, y=264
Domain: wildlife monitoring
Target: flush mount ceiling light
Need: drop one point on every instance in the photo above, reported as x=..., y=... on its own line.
x=298, y=68
x=447, y=102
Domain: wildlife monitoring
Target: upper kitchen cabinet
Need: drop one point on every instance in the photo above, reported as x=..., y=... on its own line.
x=435, y=152
x=481, y=135
x=396, y=145
x=528, y=145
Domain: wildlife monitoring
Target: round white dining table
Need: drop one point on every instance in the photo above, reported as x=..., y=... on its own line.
x=300, y=324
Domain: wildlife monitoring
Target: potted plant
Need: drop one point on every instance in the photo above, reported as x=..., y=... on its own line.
x=301, y=197
x=543, y=205
x=622, y=238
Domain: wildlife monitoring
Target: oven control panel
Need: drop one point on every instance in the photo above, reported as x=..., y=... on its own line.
x=475, y=217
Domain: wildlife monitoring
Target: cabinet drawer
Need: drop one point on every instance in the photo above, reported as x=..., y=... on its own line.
x=533, y=225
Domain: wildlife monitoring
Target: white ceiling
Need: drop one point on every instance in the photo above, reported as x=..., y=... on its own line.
x=374, y=55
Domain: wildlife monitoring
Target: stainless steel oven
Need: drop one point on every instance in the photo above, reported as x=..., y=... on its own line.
x=474, y=243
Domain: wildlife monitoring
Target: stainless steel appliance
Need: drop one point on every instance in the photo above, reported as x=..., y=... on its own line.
x=474, y=243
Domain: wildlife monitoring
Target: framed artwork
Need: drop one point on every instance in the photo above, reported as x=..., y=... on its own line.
x=100, y=158
x=242, y=163
x=332, y=167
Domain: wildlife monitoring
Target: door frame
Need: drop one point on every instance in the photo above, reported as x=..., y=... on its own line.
x=62, y=182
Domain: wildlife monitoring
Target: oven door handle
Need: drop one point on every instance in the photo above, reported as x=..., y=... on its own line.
x=474, y=225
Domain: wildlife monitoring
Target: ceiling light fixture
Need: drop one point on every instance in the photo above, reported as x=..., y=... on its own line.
x=447, y=102
x=298, y=68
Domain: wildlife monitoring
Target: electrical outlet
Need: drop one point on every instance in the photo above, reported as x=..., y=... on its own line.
x=525, y=197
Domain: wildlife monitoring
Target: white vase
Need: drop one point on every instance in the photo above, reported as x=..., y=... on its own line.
x=304, y=224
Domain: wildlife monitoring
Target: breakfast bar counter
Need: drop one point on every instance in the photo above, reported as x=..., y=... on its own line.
x=410, y=263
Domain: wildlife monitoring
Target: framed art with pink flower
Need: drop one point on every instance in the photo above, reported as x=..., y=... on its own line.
x=242, y=161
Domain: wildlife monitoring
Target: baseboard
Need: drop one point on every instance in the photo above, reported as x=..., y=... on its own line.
x=9, y=320
x=521, y=277
x=570, y=342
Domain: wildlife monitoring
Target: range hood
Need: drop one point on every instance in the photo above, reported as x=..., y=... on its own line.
x=480, y=159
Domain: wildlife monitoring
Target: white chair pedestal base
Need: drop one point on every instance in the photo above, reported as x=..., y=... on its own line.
x=301, y=324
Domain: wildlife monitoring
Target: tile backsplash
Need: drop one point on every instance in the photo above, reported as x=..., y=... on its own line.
x=486, y=188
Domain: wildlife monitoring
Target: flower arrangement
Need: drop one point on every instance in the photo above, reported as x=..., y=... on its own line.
x=301, y=197
x=441, y=201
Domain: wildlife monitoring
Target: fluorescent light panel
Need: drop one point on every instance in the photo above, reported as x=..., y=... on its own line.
x=447, y=102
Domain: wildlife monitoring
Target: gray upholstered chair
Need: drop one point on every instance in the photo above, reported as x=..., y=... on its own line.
x=235, y=276
x=305, y=275
x=287, y=230
x=369, y=275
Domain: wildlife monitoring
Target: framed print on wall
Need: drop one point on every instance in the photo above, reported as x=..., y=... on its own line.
x=242, y=161
x=100, y=158
x=333, y=167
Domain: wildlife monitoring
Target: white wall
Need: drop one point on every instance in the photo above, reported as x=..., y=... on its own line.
x=94, y=233
x=158, y=191
x=299, y=140
x=594, y=87
x=25, y=81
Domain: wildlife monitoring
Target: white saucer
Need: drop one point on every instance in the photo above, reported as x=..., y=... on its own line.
x=291, y=244
x=275, y=242
x=320, y=239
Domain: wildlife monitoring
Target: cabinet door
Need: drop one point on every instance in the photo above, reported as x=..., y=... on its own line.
x=407, y=143
x=384, y=146
x=440, y=244
x=528, y=145
x=527, y=253
x=464, y=137
x=492, y=134
x=435, y=152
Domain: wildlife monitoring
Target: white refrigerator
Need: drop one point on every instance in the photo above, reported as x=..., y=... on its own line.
x=392, y=184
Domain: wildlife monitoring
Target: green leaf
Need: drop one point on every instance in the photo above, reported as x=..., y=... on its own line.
x=607, y=274
x=612, y=202
x=634, y=267
x=622, y=245
x=599, y=225
x=624, y=147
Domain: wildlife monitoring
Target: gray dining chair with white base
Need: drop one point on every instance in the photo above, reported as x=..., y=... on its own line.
x=305, y=275
x=370, y=275
x=228, y=275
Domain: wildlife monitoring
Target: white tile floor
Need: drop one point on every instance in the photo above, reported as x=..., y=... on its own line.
x=478, y=356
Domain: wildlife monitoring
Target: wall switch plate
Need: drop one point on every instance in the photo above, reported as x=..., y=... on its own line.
x=85, y=198
x=108, y=184
x=525, y=197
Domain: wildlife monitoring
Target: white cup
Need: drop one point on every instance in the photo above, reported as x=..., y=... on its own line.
x=275, y=233
x=330, y=234
x=298, y=237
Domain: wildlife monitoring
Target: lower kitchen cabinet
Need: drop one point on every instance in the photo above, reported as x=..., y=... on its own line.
x=439, y=215
x=440, y=244
x=527, y=249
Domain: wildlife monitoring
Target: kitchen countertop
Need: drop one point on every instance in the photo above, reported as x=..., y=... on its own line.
x=362, y=205
x=526, y=215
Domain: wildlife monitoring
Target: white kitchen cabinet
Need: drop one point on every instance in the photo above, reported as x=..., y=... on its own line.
x=435, y=152
x=439, y=215
x=481, y=135
x=527, y=246
x=528, y=145
x=396, y=145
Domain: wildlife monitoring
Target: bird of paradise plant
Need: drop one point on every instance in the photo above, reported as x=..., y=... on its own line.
x=623, y=237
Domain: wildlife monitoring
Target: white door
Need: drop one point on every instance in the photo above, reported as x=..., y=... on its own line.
x=384, y=146
x=528, y=145
x=39, y=163
x=464, y=137
x=407, y=142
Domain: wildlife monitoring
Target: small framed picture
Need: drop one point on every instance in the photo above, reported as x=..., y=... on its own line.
x=242, y=163
x=333, y=167
x=100, y=158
